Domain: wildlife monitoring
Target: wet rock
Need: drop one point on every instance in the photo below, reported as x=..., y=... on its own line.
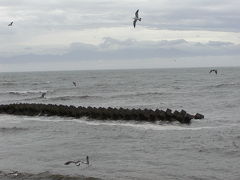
x=198, y=116
x=98, y=113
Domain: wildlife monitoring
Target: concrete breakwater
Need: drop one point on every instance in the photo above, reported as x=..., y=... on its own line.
x=100, y=113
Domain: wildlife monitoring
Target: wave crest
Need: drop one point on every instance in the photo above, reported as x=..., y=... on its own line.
x=139, y=94
x=12, y=129
x=27, y=92
x=65, y=98
x=224, y=85
x=41, y=176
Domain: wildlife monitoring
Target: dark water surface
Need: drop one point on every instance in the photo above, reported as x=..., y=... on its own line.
x=206, y=149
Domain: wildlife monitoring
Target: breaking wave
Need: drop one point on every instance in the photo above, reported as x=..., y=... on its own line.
x=8, y=83
x=12, y=83
x=224, y=85
x=12, y=129
x=65, y=98
x=27, y=92
x=9, y=175
x=138, y=94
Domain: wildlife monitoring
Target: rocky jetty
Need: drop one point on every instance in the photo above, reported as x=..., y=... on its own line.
x=100, y=113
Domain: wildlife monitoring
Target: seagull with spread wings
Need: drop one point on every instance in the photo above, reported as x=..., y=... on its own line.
x=78, y=162
x=136, y=18
x=213, y=70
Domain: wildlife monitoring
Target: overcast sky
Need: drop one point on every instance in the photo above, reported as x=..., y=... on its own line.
x=99, y=34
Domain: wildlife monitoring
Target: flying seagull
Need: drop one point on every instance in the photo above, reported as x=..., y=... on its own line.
x=235, y=145
x=136, y=18
x=213, y=70
x=10, y=24
x=74, y=83
x=43, y=95
x=78, y=162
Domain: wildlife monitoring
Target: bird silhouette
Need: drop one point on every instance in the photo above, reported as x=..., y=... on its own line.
x=78, y=162
x=213, y=70
x=10, y=24
x=136, y=18
x=43, y=95
x=74, y=83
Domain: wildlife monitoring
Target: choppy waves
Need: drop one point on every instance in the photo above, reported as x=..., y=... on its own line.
x=8, y=83
x=65, y=98
x=96, y=97
x=27, y=92
x=15, y=83
x=138, y=94
x=224, y=85
x=12, y=129
x=9, y=175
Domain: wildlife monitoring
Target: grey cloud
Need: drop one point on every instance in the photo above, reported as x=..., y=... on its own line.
x=196, y=15
x=221, y=15
x=112, y=49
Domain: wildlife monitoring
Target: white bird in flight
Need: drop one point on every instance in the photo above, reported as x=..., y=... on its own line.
x=136, y=18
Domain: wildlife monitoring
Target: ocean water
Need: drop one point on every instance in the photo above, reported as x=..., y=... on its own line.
x=206, y=149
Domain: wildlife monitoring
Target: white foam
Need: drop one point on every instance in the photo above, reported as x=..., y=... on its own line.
x=84, y=120
x=28, y=92
x=149, y=126
x=145, y=126
x=9, y=119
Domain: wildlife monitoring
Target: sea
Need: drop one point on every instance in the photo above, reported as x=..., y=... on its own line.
x=36, y=148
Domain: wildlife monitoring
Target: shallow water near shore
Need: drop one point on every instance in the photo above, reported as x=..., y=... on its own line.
x=205, y=149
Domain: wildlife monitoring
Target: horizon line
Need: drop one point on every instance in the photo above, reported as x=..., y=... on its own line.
x=121, y=69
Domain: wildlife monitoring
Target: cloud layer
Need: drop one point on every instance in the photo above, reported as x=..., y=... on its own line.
x=185, y=14
x=112, y=49
x=75, y=30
